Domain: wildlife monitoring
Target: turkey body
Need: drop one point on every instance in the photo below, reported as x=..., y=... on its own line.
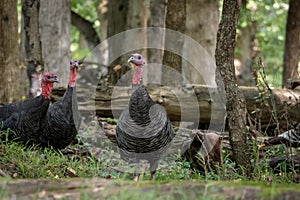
x=144, y=131
x=62, y=122
x=27, y=119
x=63, y=117
x=27, y=123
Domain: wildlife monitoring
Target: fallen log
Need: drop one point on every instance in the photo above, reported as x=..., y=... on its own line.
x=196, y=103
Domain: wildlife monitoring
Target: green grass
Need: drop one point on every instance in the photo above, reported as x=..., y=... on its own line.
x=33, y=162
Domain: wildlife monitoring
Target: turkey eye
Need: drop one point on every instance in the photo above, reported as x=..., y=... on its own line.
x=139, y=57
x=48, y=77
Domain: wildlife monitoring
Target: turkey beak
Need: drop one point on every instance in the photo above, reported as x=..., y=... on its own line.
x=76, y=64
x=261, y=146
x=55, y=79
x=130, y=61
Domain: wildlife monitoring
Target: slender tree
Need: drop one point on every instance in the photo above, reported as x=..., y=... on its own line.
x=9, y=69
x=291, y=48
x=31, y=45
x=225, y=74
x=175, y=20
x=86, y=29
x=156, y=19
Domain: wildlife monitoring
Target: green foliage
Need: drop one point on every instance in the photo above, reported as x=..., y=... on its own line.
x=88, y=10
x=270, y=18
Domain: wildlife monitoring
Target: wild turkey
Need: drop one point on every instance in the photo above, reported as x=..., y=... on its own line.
x=290, y=138
x=26, y=119
x=144, y=130
x=63, y=117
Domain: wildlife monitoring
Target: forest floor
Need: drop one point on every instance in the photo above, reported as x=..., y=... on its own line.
x=92, y=169
x=97, y=188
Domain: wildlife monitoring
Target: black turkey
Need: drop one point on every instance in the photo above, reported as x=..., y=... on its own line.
x=26, y=119
x=63, y=116
x=144, y=131
x=290, y=138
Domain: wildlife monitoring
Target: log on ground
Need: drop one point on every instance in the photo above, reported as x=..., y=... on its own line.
x=196, y=103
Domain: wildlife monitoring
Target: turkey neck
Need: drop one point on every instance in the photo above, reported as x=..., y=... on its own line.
x=138, y=75
x=72, y=77
x=46, y=89
x=140, y=102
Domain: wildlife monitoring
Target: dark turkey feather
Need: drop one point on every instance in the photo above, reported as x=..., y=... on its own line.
x=63, y=116
x=63, y=121
x=27, y=119
x=26, y=124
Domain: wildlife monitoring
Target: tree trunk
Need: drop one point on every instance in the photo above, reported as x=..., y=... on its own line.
x=156, y=19
x=175, y=20
x=30, y=14
x=117, y=21
x=202, y=25
x=291, y=48
x=9, y=69
x=225, y=73
x=137, y=17
x=31, y=44
x=102, y=10
x=245, y=43
x=55, y=21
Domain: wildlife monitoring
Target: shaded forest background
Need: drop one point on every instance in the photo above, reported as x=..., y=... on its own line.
x=50, y=34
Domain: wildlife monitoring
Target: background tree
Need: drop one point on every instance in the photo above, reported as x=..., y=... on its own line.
x=175, y=20
x=156, y=18
x=86, y=28
x=202, y=19
x=122, y=16
x=31, y=45
x=292, y=39
x=235, y=103
x=54, y=25
x=46, y=40
x=9, y=69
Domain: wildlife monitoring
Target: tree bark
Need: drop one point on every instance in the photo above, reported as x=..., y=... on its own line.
x=9, y=69
x=291, y=48
x=235, y=102
x=175, y=20
x=202, y=21
x=32, y=45
x=30, y=14
x=55, y=21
